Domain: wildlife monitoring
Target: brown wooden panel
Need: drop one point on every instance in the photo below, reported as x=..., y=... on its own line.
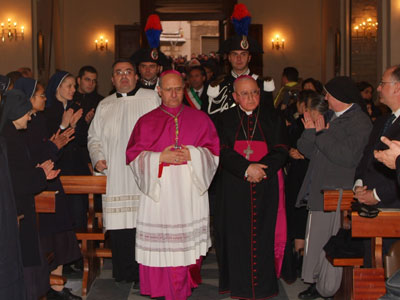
x=127, y=40
x=45, y=202
x=84, y=184
x=256, y=62
x=368, y=283
x=344, y=262
x=386, y=224
x=331, y=198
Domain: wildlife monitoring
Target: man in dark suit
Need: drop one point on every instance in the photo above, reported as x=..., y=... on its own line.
x=196, y=92
x=375, y=183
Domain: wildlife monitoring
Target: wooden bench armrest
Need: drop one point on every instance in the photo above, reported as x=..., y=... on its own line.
x=45, y=202
x=331, y=198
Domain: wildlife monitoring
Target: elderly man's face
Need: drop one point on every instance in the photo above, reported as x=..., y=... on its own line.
x=124, y=77
x=389, y=90
x=149, y=70
x=247, y=94
x=171, y=90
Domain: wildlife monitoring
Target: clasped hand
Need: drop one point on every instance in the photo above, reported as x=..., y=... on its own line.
x=171, y=155
x=255, y=172
x=363, y=195
x=47, y=168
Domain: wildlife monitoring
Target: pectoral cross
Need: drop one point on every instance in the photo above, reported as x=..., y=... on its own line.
x=248, y=152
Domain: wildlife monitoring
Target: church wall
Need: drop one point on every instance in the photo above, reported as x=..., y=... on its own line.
x=16, y=54
x=299, y=23
x=83, y=23
x=394, y=44
x=308, y=28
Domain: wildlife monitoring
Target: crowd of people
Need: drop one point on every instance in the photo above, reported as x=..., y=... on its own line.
x=179, y=149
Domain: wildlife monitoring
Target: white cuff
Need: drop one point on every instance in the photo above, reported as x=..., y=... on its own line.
x=358, y=182
x=376, y=195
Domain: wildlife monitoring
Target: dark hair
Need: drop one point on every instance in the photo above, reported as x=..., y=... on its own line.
x=291, y=73
x=316, y=83
x=317, y=102
x=305, y=95
x=14, y=75
x=88, y=69
x=124, y=60
x=362, y=85
x=396, y=73
x=200, y=68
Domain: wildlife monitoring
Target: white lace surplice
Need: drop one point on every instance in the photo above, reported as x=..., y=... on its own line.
x=173, y=219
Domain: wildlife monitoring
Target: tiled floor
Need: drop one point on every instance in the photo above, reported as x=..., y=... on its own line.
x=105, y=287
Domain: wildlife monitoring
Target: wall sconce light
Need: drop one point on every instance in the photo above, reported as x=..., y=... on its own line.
x=278, y=43
x=101, y=43
x=10, y=31
x=366, y=29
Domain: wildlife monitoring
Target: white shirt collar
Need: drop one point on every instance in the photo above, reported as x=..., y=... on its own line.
x=339, y=113
x=396, y=113
x=247, y=72
x=199, y=91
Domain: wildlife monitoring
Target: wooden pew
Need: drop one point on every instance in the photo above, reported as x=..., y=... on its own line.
x=331, y=198
x=370, y=283
x=89, y=185
x=45, y=202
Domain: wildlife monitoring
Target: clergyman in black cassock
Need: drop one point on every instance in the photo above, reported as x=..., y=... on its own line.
x=246, y=210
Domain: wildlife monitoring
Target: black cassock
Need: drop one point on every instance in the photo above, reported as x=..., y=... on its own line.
x=11, y=273
x=246, y=213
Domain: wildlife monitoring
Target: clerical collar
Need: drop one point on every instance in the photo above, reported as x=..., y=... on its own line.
x=245, y=111
x=149, y=82
x=131, y=93
x=339, y=113
x=235, y=75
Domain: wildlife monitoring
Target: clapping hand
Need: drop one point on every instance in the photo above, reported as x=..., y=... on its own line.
x=60, y=140
x=47, y=167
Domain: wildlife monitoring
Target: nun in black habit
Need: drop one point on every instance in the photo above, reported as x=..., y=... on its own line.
x=11, y=269
x=55, y=230
x=27, y=179
x=61, y=113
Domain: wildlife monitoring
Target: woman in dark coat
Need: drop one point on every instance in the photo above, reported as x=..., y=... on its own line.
x=55, y=230
x=27, y=179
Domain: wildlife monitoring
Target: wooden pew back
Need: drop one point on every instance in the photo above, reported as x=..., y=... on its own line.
x=386, y=224
x=45, y=202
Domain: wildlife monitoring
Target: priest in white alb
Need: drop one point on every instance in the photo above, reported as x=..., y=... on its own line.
x=108, y=137
x=173, y=152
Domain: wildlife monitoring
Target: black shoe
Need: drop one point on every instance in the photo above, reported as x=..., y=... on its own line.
x=310, y=293
x=65, y=294
x=136, y=285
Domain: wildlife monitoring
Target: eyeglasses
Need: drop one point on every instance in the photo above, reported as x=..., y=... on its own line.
x=178, y=89
x=41, y=96
x=126, y=72
x=382, y=83
x=247, y=94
